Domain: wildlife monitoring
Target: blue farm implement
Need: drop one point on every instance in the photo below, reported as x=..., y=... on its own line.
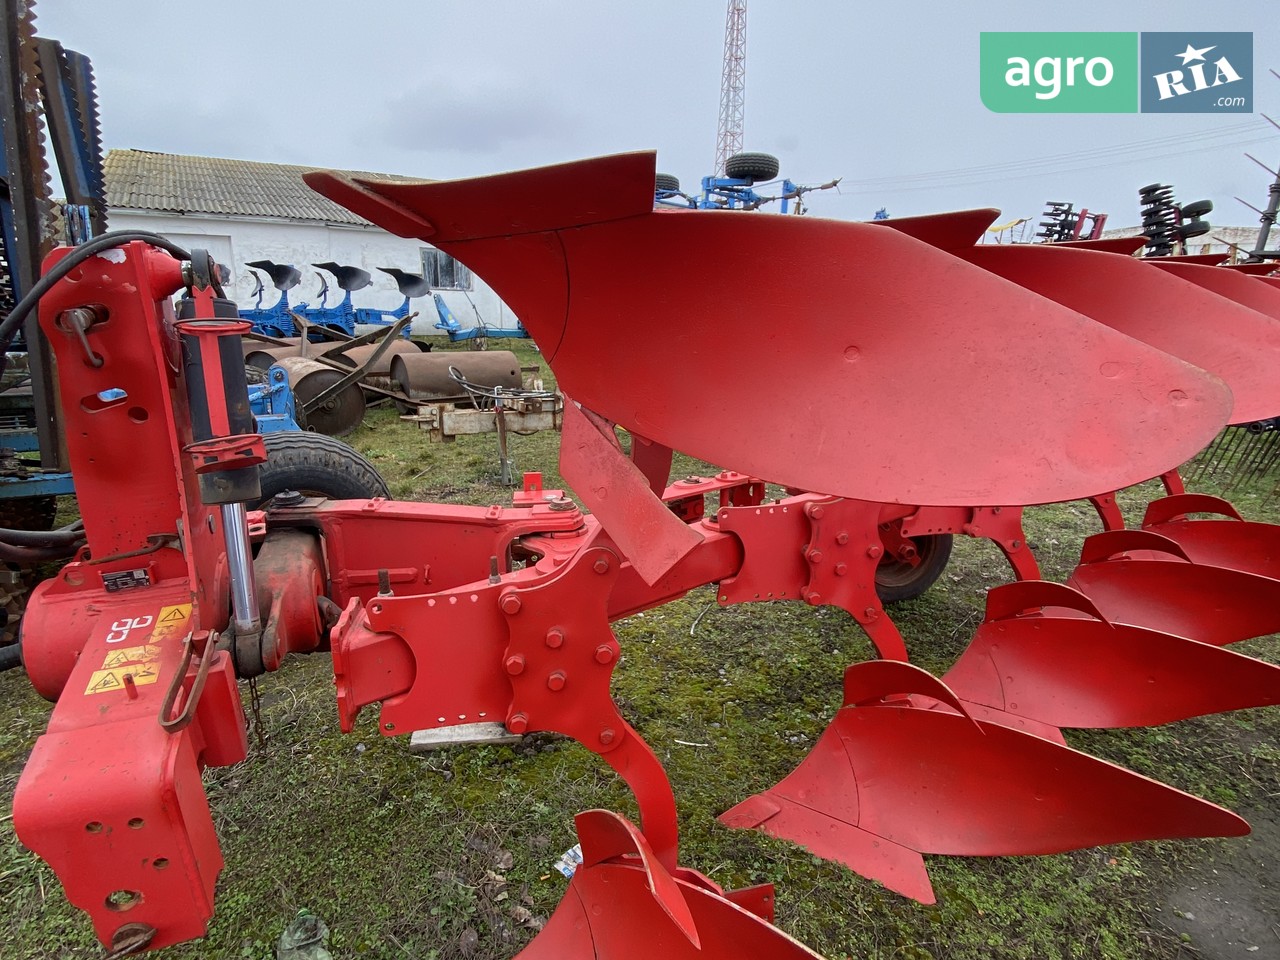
x=325, y=322
x=457, y=333
x=737, y=189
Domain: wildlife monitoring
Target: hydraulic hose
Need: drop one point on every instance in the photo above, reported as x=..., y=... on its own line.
x=10, y=656
x=10, y=553
x=43, y=538
x=107, y=241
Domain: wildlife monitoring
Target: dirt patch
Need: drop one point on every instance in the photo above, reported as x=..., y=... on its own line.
x=1229, y=907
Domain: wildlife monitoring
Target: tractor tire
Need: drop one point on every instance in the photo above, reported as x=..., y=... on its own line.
x=1197, y=208
x=752, y=166
x=17, y=579
x=1193, y=228
x=28, y=513
x=897, y=580
x=317, y=466
x=666, y=183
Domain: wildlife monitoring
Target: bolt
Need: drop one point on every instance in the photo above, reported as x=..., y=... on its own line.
x=517, y=723
x=813, y=598
x=871, y=613
x=841, y=569
x=555, y=638
x=815, y=556
x=604, y=653
x=842, y=538
x=555, y=681
x=601, y=565
x=510, y=604
x=813, y=511
x=515, y=665
x=1016, y=545
x=388, y=726
x=606, y=736
x=874, y=551
x=560, y=504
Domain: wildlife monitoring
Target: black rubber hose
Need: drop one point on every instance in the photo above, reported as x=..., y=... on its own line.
x=107, y=241
x=9, y=553
x=10, y=656
x=43, y=538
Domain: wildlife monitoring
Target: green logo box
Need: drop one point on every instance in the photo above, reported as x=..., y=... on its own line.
x=1059, y=72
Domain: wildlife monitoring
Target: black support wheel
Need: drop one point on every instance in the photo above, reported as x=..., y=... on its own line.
x=317, y=466
x=666, y=183
x=752, y=166
x=900, y=579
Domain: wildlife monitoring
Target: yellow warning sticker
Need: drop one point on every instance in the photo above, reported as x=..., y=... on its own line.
x=104, y=681
x=128, y=655
x=174, y=621
x=140, y=660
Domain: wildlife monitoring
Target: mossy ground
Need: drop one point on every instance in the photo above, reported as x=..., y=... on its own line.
x=450, y=855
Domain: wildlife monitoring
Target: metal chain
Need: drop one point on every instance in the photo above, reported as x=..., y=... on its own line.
x=255, y=709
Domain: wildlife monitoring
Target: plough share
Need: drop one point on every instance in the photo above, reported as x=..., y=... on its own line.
x=451, y=615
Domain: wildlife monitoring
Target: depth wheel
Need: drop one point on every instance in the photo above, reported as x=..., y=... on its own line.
x=901, y=578
x=317, y=466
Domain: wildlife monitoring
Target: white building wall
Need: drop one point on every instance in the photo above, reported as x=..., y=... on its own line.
x=235, y=240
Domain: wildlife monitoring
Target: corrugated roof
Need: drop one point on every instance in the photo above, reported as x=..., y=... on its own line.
x=144, y=180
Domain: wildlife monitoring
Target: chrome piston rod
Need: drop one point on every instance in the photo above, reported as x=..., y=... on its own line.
x=244, y=594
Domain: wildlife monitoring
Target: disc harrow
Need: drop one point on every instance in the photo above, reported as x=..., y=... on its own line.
x=974, y=763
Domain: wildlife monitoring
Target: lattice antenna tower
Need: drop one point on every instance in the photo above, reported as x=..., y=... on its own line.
x=733, y=84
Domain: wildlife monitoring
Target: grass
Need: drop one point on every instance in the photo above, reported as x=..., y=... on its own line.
x=450, y=855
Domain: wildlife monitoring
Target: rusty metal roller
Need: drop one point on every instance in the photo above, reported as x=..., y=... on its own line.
x=252, y=346
x=425, y=376
x=265, y=354
x=337, y=414
x=357, y=356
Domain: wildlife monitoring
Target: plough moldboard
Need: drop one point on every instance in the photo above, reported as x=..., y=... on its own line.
x=448, y=616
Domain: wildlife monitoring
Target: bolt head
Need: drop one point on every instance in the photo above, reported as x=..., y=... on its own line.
x=510, y=604
x=601, y=565
x=871, y=613
x=842, y=538
x=841, y=569
x=815, y=556
x=607, y=737
x=556, y=680
x=555, y=638
x=874, y=551
x=813, y=511
x=813, y=598
x=517, y=723
x=515, y=665
x=604, y=653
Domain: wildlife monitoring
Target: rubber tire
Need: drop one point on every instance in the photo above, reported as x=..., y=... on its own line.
x=897, y=581
x=666, y=183
x=316, y=465
x=1194, y=228
x=28, y=513
x=752, y=166
x=1197, y=208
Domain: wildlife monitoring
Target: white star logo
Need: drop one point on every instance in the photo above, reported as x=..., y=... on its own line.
x=1191, y=53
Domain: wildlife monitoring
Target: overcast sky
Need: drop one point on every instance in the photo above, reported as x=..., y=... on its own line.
x=882, y=94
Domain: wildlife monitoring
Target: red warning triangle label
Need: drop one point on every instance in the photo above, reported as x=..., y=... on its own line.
x=105, y=682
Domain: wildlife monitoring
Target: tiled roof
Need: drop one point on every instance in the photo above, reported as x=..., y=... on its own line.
x=143, y=180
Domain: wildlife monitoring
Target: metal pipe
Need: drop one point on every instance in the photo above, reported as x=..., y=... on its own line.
x=244, y=596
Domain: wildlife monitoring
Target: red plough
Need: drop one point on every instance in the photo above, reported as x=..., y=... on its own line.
x=971, y=764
